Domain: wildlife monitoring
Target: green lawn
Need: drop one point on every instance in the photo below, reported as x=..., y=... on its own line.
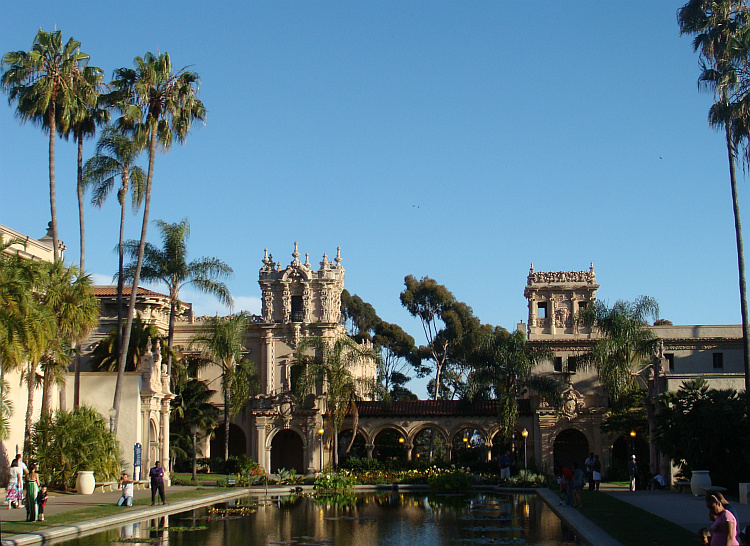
x=93, y=512
x=631, y=525
x=202, y=478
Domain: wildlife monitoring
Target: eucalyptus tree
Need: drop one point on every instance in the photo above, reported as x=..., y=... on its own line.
x=720, y=28
x=396, y=350
x=47, y=86
x=221, y=342
x=116, y=156
x=504, y=365
x=158, y=106
x=169, y=265
x=330, y=365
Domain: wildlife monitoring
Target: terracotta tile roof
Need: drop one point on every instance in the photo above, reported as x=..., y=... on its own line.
x=414, y=408
x=111, y=290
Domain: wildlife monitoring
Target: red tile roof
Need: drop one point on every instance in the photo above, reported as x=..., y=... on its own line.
x=434, y=408
x=111, y=290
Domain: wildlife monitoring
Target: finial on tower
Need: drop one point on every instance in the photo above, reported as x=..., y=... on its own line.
x=295, y=254
x=531, y=269
x=338, y=256
x=307, y=259
x=591, y=268
x=324, y=263
x=265, y=256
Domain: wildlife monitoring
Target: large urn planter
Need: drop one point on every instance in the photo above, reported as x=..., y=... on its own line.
x=85, y=483
x=700, y=481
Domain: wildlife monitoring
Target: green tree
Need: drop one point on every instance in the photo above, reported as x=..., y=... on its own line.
x=360, y=316
x=66, y=442
x=504, y=366
x=330, y=366
x=192, y=407
x=449, y=327
x=221, y=341
x=116, y=154
x=720, y=30
x=47, y=85
x=159, y=106
x=6, y=409
x=68, y=295
x=104, y=357
x=169, y=265
x=706, y=429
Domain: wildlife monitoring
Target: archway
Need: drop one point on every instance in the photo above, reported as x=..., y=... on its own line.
x=389, y=446
x=622, y=450
x=237, y=442
x=358, y=449
x=287, y=451
x=468, y=447
x=570, y=446
x=429, y=445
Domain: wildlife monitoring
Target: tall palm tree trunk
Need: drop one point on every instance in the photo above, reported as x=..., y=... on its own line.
x=79, y=139
x=121, y=258
x=226, y=419
x=31, y=383
x=52, y=196
x=170, y=335
x=136, y=277
x=740, y=256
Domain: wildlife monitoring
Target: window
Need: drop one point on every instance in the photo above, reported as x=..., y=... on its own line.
x=718, y=361
x=582, y=305
x=298, y=313
x=572, y=364
x=670, y=361
x=558, y=364
x=541, y=309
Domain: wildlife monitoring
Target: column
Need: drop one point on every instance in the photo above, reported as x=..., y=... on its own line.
x=164, y=444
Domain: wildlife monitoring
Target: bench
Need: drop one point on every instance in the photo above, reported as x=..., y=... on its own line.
x=231, y=481
x=682, y=485
x=106, y=486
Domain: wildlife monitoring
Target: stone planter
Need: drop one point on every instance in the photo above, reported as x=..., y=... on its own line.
x=85, y=483
x=701, y=480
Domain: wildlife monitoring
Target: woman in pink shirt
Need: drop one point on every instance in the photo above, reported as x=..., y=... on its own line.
x=724, y=527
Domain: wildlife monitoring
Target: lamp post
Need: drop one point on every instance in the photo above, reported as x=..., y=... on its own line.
x=632, y=442
x=112, y=415
x=525, y=434
x=320, y=434
x=194, y=431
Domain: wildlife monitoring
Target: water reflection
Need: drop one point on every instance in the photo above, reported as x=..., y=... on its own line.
x=384, y=518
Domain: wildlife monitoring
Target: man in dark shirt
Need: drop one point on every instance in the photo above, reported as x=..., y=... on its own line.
x=157, y=482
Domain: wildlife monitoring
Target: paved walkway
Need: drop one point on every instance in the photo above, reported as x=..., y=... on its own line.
x=681, y=508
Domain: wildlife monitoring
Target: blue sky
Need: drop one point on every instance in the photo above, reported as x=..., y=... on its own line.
x=457, y=140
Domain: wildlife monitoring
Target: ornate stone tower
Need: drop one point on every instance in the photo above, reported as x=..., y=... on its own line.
x=555, y=298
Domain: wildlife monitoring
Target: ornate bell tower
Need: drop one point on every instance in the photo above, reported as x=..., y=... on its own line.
x=555, y=298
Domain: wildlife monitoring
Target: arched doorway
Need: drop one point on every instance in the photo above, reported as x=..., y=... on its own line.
x=237, y=442
x=389, y=446
x=468, y=448
x=429, y=445
x=622, y=450
x=570, y=446
x=358, y=449
x=287, y=451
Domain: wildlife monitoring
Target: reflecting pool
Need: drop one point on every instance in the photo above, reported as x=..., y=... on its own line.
x=381, y=518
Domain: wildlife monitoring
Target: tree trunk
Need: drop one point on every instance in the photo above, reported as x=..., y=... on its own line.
x=121, y=258
x=740, y=256
x=170, y=335
x=79, y=138
x=226, y=422
x=52, y=196
x=134, y=291
x=31, y=383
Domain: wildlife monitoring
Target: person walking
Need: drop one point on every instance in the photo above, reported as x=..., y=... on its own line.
x=576, y=486
x=597, y=472
x=589, y=464
x=156, y=474
x=632, y=472
x=14, y=492
x=724, y=527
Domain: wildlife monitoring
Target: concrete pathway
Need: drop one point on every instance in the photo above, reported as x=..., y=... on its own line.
x=681, y=508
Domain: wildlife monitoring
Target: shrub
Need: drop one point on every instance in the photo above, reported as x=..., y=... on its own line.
x=68, y=442
x=334, y=482
x=457, y=481
x=179, y=480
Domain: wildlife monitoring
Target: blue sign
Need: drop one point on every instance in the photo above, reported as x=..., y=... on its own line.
x=137, y=449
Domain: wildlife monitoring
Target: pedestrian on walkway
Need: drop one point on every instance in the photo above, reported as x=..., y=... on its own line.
x=41, y=502
x=32, y=490
x=632, y=472
x=505, y=462
x=14, y=492
x=574, y=499
x=724, y=527
x=589, y=464
x=157, y=483
x=597, y=472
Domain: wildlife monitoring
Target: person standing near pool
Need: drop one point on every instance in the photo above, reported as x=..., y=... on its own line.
x=505, y=462
x=157, y=482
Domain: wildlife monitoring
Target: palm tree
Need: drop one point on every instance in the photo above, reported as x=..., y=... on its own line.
x=504, y=365
x=46, y=85
x=105, y=356
x=158, y=106
x=67, y=294
x=169, y=265
x=116, y=154
x=221, y=341
x=192, y=410
x=718, y=26
x=331, y=365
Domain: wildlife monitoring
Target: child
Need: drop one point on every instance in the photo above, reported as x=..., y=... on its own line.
x=41, y=501
x=127, y=491
x=705, y=536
